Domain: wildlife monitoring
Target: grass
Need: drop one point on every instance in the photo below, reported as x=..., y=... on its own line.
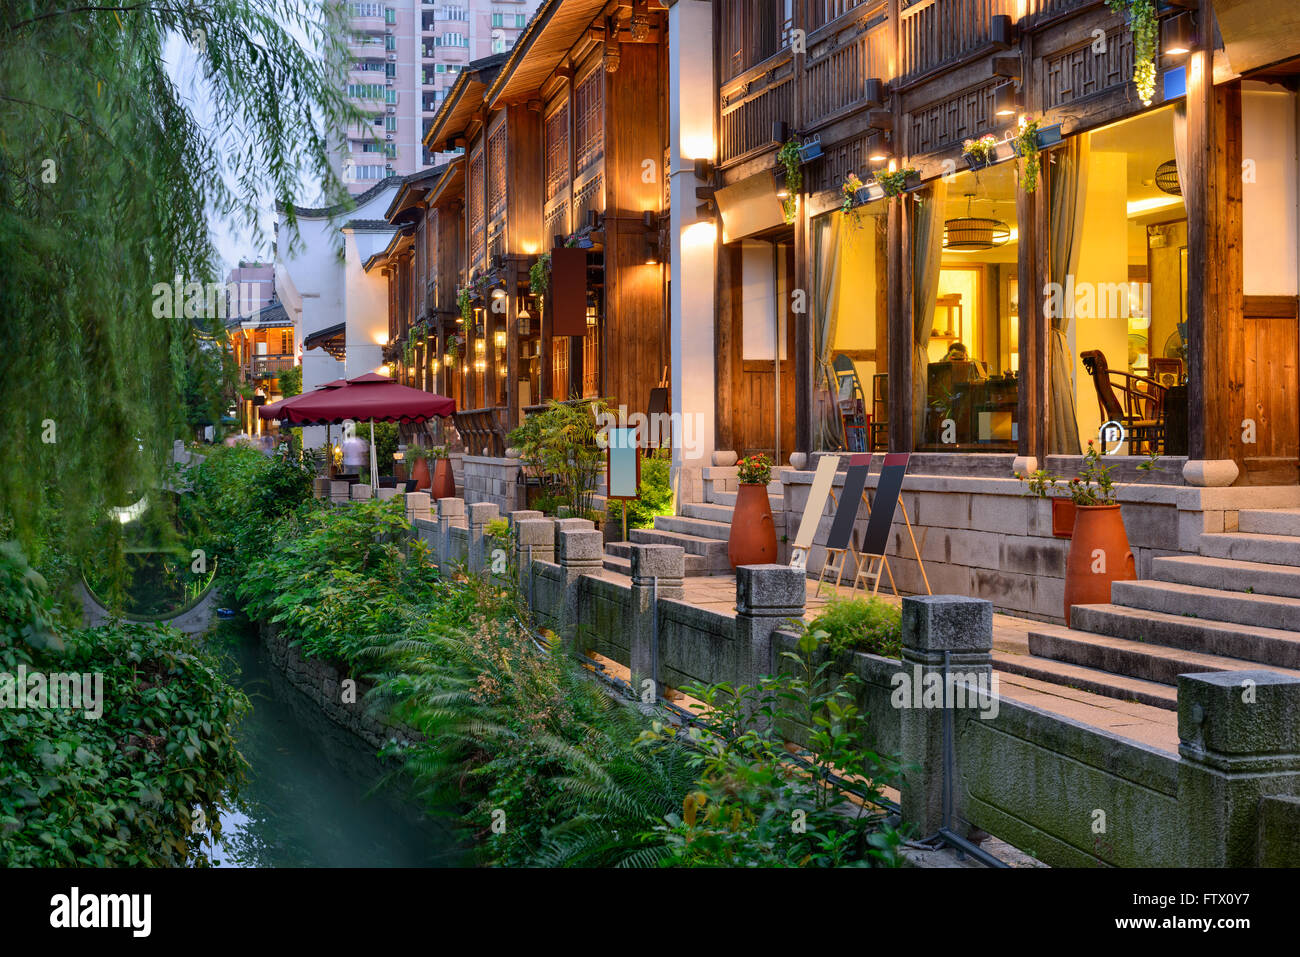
x=861, y=624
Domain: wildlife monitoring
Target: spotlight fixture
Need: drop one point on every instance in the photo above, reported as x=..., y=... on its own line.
x=1005, y=101
x=970, y=233
x=1178, y=35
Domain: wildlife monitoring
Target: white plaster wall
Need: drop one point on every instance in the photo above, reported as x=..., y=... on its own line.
x=1269, y=221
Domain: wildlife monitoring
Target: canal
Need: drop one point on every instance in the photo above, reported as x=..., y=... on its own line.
x=316, y=795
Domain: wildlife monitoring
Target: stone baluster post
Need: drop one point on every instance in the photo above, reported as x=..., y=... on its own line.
x=657, y=572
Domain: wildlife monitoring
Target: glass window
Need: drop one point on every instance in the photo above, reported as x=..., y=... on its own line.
x=1116, y=296
x=848, y=304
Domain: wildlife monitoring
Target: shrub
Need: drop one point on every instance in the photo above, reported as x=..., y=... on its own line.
x=126, y=788
x=860, y=624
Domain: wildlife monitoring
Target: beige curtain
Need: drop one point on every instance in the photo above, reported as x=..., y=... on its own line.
x=826, y=257
x=927, y=251
x=1181, y=158
x=1068, y=187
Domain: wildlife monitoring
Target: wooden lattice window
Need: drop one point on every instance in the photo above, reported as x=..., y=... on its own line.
x=591, y=362
x=496, y=171
x=560, y=368
x=474, y=188
x=557, y=152
x=588, y=130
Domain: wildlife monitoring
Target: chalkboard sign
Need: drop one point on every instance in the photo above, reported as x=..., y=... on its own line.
x=886, y=500
x=846, y=512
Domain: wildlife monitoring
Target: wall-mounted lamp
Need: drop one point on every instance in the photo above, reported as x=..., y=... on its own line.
x=1005, y=101
x=500, y=338
x=703, y=169
x=880, y=120
x=1178, y=35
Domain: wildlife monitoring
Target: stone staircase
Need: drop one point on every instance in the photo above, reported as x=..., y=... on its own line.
x=1234, y=606
x=701, y=529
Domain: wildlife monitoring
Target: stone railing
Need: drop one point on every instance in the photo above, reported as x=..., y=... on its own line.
x=1068, y=793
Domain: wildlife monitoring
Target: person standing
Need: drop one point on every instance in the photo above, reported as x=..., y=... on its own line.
x=355, y=451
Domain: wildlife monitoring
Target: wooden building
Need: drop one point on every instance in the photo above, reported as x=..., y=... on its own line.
x=529, y=268
x=1141, y=273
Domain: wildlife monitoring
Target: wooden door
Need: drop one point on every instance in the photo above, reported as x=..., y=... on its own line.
x=1271, y=392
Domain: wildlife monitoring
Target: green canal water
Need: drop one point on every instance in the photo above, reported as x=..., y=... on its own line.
x=316, y=795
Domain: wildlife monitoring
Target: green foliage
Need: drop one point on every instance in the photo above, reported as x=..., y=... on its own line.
x=1026, y=146
x=539, y=275
x=1093, y=486
x=123, y=789
x=1144, y=25
x=238, y=496
x=654, y=497
x=893, y=183
x=860, y=624
x=788, y=156
x=291, y=382
x=754, y=807
x=563, y=447
x=339, y=578
x=109, y=181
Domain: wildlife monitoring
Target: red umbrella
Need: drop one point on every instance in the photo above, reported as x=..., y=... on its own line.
x=272, y=411
x=370, y=396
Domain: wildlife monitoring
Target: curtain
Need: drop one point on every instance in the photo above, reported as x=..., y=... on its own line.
x=927, y=251
x=1067, y=184
x=826, y=258
x=1180, y=142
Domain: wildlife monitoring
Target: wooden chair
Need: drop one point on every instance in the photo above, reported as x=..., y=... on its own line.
x=851, y=402
x=1142, y=410
x=880, y=413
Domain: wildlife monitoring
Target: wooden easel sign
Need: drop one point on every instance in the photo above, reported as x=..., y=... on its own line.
x=812, y=511
x=839, y=543
x=876, y=539
x=622, y=467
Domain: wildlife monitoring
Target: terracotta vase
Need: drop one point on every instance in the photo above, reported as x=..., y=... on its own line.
x=444, y=482
x=1062, y=517
x=420, y=472
x=1099, y=555
x=753, y=535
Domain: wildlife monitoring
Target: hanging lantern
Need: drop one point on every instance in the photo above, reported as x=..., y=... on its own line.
x=1167, y=178
x=973, y=232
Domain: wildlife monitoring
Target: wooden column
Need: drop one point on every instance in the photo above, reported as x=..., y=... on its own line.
x=901, y=328
x=804, y=279
x=1215, y=322
x=1034, y=346
x=512, y=343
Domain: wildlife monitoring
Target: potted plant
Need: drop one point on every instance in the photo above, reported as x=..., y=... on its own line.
x=420, y=469
x=1099, y=550
x=790, y=158
x=897, y=182
x=443, y=484
x=752, y=540
x=981, y=152
x=1026, y=145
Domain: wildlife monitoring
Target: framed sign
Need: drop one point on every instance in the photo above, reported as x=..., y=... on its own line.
x=622, y=464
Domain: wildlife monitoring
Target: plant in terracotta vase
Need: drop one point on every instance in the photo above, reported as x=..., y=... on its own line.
x=1099, y=550
x=420, y=456
x=443, y=481
x=753, y=534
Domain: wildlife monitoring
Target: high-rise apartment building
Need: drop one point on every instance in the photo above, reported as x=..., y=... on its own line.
x=405, y=56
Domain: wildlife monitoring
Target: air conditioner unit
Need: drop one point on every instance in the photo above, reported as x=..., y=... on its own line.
x=388, y=136
x=392, y=57
x=392, y=109
x=389, y=167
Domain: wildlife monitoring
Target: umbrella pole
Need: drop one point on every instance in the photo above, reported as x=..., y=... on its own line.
x=374, y=463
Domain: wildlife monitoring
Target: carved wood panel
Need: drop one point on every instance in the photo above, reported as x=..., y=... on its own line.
x=1088, y=69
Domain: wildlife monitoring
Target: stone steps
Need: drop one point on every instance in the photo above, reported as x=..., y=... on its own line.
x=699, y=527
x=1252, y=547
x=1133, y=659
x=620, y=555
x=1269, y=647
x=1222, y=573
x=1091, y=680
x=708, y=511
x=1272, y=521
x=712, y=551
x=776, y=501
x=1215, y=604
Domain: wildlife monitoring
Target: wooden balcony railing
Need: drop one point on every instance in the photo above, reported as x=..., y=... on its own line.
x=268, y=366
x=752, y=102
x=935, y=32
x=839, y=65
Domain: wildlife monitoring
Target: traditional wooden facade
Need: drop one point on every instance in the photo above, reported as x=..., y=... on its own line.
x=890, y=84
x=563, y=142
